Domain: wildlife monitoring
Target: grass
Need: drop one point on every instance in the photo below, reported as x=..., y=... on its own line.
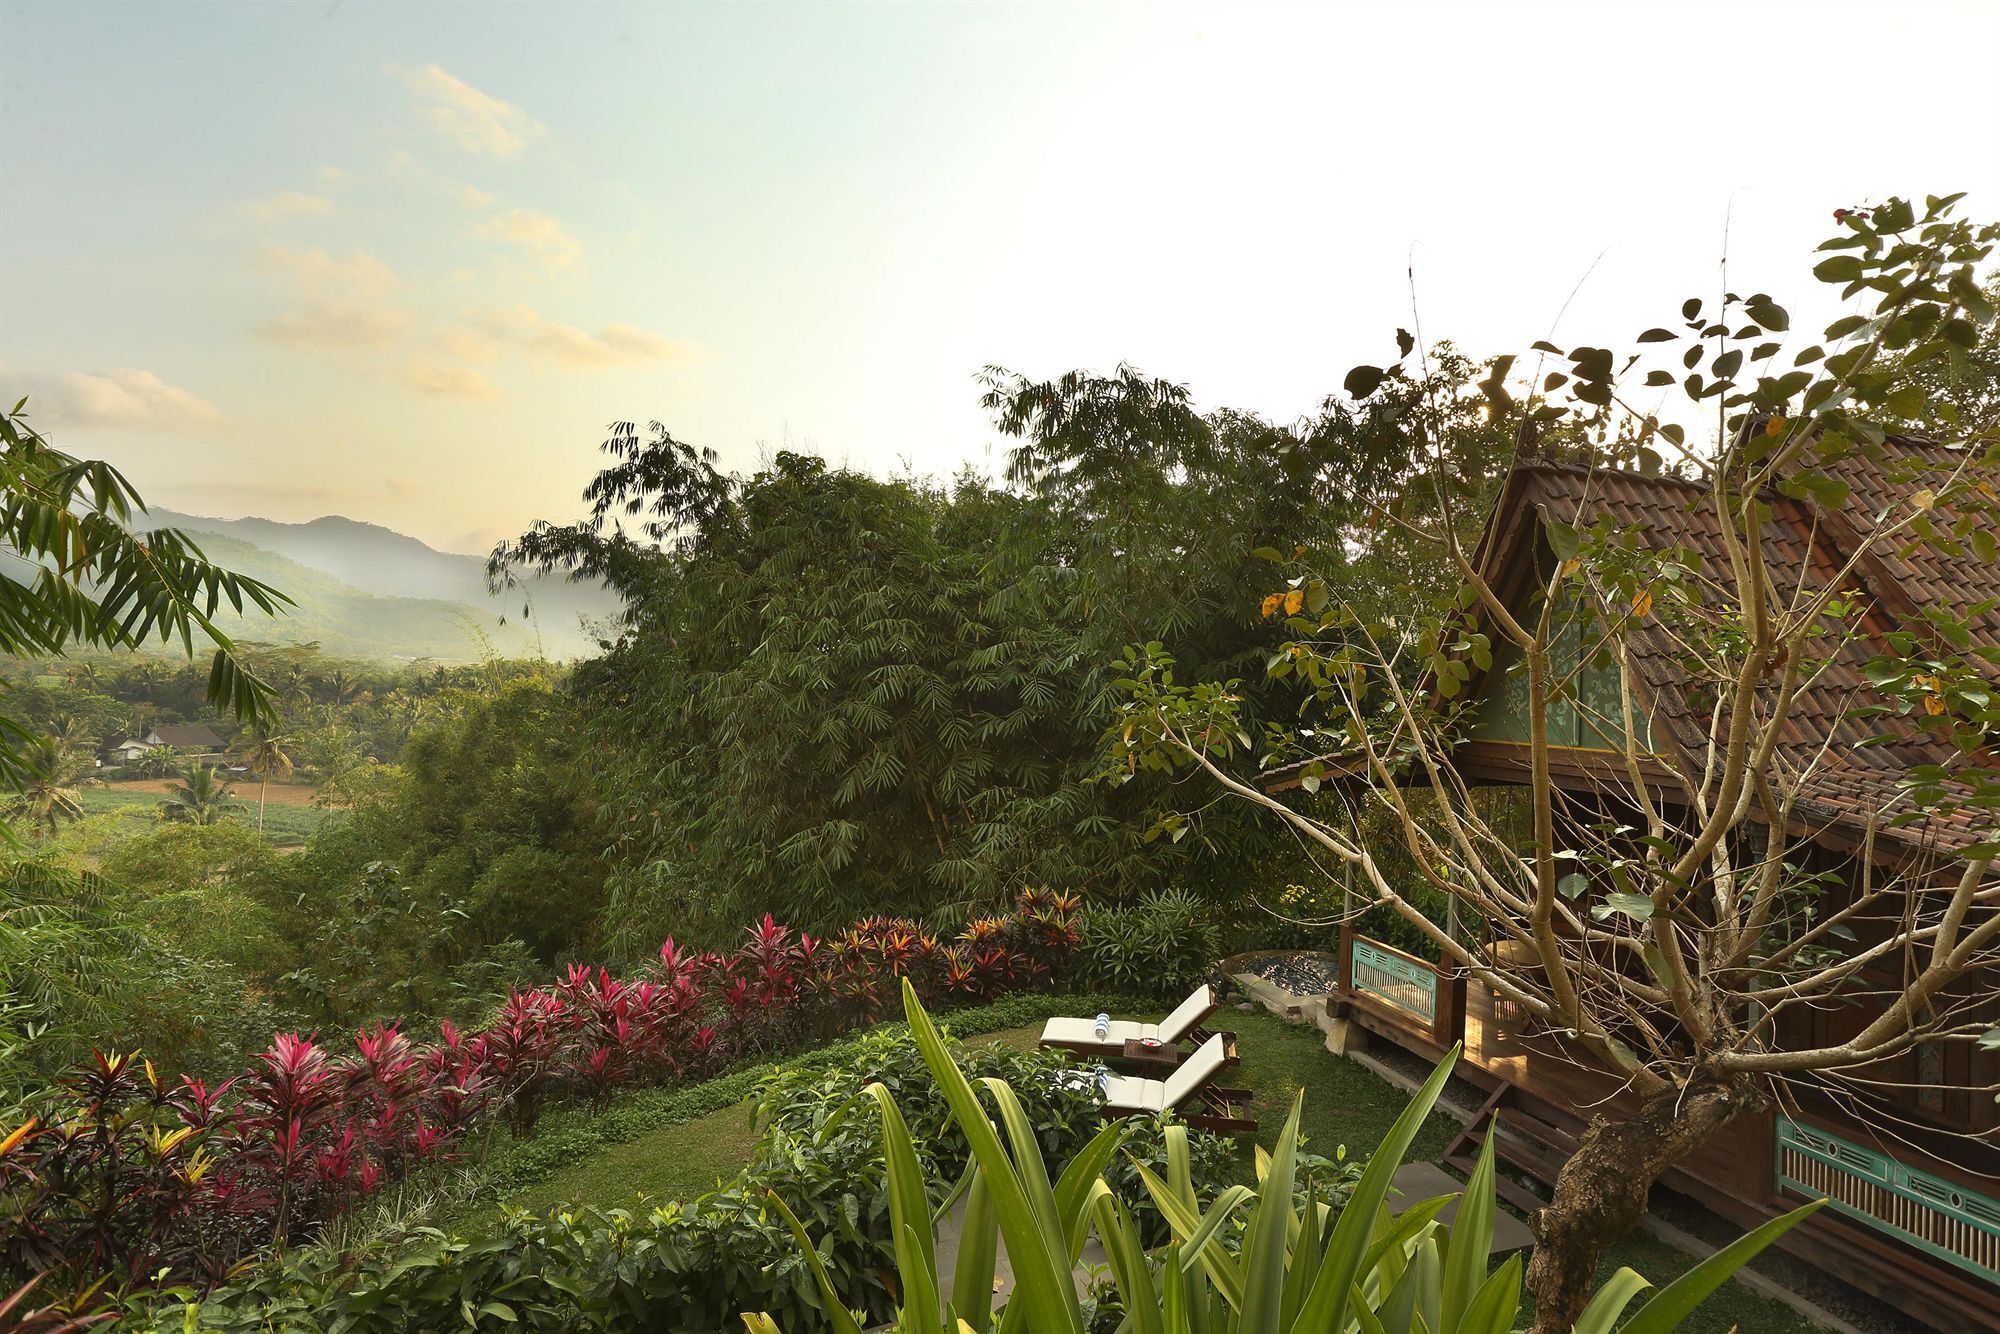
x=1345, y=1105
x=285, y=826
x=675, y=1163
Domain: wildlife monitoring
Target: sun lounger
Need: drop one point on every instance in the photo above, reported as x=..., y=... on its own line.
x=1080, y=1035
x=1190, y=1091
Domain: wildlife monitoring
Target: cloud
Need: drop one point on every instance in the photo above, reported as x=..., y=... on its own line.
x=344, y=302
x=316, y=275
x=332, y=175
x=613, y=345
x=289, y=204
x=447, y=381
x=476, y=122
x=469, y=195
x=336, y=324
x=127, y=398
x=539, y=234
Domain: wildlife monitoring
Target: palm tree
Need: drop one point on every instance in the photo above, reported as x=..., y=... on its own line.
x=295, y=686
x=72, y=733
x=44, y=790
x=200, y=797
x=266, y=753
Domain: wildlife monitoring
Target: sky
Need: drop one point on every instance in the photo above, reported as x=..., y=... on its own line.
x=405, y=262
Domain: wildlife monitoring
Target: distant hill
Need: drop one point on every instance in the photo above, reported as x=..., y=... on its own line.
x=366, y=591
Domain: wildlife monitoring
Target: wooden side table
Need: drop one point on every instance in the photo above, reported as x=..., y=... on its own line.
x=1151, y=1056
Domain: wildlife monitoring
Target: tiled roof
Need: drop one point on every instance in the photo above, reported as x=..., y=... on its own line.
x=188, y=735
x=1849, y=784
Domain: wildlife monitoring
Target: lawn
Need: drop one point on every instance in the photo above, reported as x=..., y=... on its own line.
x=286, y=824
x=1345, y=1105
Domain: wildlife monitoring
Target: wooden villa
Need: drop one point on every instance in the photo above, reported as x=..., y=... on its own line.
x=1911, y=1164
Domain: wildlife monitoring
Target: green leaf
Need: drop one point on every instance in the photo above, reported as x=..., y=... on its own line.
x=1636, y=906
x=837, y=1315
x=1610, y=1302
x=1043, y=1290
x=1470, y=1239
x=1329, y=1305
x=1673, y=1303
x=1363, y=380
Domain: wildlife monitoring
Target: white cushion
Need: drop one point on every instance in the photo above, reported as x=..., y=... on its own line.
x=1083, y=1032
x=1196, y=1070
x=1131, y=1094
x=1187, y=1014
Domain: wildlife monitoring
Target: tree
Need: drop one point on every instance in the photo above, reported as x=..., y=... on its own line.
x=1675, y=926
x=45, y=791
x=200, y=797
x=97, y=583
x=268, y=754
x=838, y=693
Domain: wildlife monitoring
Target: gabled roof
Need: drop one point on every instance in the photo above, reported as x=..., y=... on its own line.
x=1851, y=785
x=186, y=736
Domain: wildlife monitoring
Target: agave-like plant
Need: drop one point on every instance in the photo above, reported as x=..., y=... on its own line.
x=1295, y=1271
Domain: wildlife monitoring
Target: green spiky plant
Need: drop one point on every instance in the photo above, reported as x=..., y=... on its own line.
x=1294, y=1272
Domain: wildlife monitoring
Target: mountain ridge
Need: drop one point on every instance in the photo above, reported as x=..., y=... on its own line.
x=373, y=560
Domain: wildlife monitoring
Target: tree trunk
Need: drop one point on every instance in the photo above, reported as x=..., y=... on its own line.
x=1601, y=1192
x=262, y=788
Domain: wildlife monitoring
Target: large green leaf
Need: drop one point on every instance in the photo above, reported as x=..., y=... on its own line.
x=1610, y=1301
x=1328, y=1306
x=838, y=1317
x=1127, y=1257
x=1044, y=1289
x=978, y=1256
x=1671, y=1304
x=909, y=1216
x=1264, y=1247
x=1471, y=1237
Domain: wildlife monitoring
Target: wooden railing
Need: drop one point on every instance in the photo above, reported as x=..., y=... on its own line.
x=1943, y=1218
x=1411, y=993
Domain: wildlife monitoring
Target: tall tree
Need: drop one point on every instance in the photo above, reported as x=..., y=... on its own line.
x=1673, y=928
x=268, y=754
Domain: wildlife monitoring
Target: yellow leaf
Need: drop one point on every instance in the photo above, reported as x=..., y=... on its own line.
x=1642, y=603
x=1294, y=600
x=1272, y=603
x=1933, y=705
x=1571, y=566
x=19, y=1135
x=1776, y=426
x=1924, y=499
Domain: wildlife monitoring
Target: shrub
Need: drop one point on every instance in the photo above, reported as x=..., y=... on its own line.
x=1165, y=944
x=309, y=1131
x=1286, y=1269
x=695, y=1266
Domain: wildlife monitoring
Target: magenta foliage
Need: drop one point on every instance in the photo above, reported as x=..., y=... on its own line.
x=306, y=1132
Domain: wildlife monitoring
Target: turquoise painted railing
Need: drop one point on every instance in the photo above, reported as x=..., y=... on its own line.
x=1393, y=980
x=1941, y=1217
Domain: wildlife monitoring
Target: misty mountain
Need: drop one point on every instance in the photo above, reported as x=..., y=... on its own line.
x=366, y=584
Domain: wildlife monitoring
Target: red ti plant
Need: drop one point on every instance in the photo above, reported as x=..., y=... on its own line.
x=286, y=1104
x=522, y=1048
